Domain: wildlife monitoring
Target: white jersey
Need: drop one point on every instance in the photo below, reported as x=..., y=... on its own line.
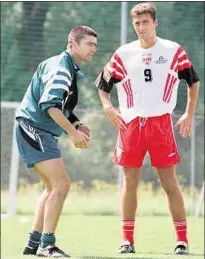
x=147, y=79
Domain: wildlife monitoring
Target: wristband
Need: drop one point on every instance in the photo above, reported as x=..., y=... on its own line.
x=77, y=124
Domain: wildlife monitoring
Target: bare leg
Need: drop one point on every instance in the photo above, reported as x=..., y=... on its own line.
x=39, y=214
x=128, y=208
x=54, y=172
x=171, y=186
x=129, y=192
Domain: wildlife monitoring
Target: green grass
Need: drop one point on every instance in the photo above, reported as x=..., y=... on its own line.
x=103, y=199
x=99, y=237
x=90, y=224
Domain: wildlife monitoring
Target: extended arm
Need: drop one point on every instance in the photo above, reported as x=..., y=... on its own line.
x=104, y=82
x=112, y=113
x=192, y=97
x=186, y=71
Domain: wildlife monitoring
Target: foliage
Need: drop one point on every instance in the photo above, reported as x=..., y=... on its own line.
x=90, y=159
x=95, y=162
x=35, y=30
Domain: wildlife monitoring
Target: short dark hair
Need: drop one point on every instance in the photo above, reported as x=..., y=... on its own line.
x=144, y=8
x=78, y=33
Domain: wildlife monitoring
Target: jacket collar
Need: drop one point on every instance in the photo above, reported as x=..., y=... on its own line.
x=75, y=66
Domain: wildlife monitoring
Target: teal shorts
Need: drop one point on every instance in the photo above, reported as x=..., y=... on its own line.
x=35, y=145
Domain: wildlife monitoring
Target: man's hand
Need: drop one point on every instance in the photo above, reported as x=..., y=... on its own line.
x=114, y=116
x=80, y=139
x=85, y=129
x=185, y=124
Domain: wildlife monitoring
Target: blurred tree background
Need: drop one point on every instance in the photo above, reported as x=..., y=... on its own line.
x=34, y=31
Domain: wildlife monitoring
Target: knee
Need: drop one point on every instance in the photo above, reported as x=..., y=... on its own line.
x=61, y=190
x=47, y=192
x=64, y=188
x=130, y=182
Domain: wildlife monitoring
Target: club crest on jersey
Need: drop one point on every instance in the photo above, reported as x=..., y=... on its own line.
x=147, y=58
x=161, y=60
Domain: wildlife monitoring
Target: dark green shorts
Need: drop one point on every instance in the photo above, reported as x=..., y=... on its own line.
x=34, y=144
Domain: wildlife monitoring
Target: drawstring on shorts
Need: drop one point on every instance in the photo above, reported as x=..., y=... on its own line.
x=142, y=121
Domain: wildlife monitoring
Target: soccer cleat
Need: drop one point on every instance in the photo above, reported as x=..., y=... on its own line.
x=126, y=248
x=51, y=251
x=28, y=250
x=181, y=248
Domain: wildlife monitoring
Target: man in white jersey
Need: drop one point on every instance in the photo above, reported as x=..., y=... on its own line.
x=146, y=73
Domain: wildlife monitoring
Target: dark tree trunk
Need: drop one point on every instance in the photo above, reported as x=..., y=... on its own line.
x=30, y=36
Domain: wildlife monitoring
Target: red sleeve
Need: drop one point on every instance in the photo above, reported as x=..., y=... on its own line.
x=112, y=73
x=185, y=68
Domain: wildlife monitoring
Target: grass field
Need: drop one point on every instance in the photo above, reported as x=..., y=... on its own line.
x=102, y=199
x=90, y=225
x=99, y=237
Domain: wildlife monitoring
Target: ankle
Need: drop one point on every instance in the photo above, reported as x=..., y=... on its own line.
x=48, y=239
x=34, y=239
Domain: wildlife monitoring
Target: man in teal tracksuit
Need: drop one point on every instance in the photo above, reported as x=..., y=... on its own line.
x=45, y=112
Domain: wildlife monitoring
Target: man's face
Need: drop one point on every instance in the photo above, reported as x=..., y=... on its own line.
x=144, y=26
x=86, y=48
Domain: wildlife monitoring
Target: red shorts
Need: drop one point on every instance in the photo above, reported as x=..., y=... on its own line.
x=153, y=134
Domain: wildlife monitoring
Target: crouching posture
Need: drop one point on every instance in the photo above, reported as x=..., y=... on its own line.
x=45, y=112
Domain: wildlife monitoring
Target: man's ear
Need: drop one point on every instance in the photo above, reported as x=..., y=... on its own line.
x=156, y=22
x=73, y=44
